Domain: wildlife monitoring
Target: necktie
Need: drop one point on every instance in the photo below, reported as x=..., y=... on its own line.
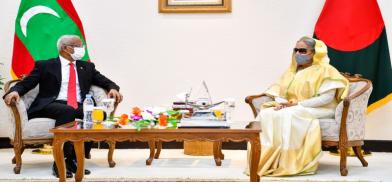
x=71, y=101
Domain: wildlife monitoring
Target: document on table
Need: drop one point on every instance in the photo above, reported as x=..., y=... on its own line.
x=196, y=123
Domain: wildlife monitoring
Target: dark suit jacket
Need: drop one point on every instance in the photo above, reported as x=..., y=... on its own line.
x=48, y=75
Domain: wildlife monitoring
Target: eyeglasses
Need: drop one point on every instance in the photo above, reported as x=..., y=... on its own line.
x=300, y=50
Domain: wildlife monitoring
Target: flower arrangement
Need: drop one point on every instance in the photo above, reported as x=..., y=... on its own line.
x=149, y=118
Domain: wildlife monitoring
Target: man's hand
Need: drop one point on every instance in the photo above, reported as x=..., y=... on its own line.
x=113, y=93
x=284, y=105
x=12, y=97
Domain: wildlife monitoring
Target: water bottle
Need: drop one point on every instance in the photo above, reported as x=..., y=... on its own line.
x=88, y=105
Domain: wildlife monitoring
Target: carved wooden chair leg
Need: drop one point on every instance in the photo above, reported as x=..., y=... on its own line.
x=158, y=145
x=18, y=158
x=14, y=158
x=358, y=153
x=343, y=160
x=112, y=146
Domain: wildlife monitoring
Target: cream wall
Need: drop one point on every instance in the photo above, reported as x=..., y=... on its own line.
x=154, y=56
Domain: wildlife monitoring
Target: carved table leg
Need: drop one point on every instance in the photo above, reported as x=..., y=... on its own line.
x=151, y=144
x=59, y=158
x=255, y=158
x=221, y=155
x=112, y=146
x=159, y=148
x=79, y=150
x=216, y=152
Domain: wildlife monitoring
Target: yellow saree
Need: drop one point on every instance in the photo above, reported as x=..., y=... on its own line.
x=291, y=137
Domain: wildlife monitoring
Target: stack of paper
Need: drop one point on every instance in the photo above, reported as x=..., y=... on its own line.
x=195, y=123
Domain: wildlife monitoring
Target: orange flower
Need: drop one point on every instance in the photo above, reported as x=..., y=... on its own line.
x=136, y=111
x=162, y=120
x=124, y=116
x=122, y=121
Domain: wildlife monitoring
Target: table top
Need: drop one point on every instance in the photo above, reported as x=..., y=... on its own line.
x=235, y=127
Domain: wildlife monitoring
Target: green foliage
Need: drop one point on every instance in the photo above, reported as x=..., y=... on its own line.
x=1, y=83
x=1, y=80
x=142, y=124
x=173, y=122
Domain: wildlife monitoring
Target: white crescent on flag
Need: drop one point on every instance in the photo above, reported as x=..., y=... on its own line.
x=32, y=12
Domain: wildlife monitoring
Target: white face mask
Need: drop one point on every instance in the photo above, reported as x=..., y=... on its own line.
x=78, y=53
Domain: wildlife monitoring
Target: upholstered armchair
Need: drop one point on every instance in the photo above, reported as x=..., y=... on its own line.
x=35, y=131
x=347, y=129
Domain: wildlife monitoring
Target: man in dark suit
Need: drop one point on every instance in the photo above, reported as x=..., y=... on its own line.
x=63, y=85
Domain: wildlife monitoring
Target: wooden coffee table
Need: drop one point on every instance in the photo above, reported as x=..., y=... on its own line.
x=68, y=132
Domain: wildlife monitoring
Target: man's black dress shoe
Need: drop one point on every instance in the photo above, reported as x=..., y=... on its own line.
x=72, y=166
x=68, y=174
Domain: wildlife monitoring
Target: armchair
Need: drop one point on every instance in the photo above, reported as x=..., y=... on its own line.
x=35, y=131
x=347, y=129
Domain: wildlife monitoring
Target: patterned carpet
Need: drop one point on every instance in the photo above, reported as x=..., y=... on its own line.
x=174, y=166
x=129, y=180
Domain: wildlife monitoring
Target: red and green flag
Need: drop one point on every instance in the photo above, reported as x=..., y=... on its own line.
x=355, y=34
x=39, y=24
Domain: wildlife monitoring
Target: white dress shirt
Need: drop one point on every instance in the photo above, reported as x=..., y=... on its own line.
x=63, y=95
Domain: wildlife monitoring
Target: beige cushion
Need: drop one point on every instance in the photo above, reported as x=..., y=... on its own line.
x=29, y=97
x=98, y=94
x=329, y=129
x=38, y=128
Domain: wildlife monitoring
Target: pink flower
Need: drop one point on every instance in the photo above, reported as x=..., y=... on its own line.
x=136, y=117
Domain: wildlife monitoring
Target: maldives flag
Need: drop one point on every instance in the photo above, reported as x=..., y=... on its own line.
x=39, y=24
x=354, y=32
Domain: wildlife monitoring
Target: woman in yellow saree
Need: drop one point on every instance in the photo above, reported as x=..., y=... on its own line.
x=309, y=90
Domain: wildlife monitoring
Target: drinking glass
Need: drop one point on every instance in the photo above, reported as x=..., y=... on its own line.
x=229, y=108
x=108, y=105
x=98, y=116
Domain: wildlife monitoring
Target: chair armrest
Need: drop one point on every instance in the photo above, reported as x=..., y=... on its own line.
x=351, y=112
x=253, y=124
x=99, y=94
x=8, y=84
x=255, y=101
x=362, y=91
x=16, y=114
x=18, y=117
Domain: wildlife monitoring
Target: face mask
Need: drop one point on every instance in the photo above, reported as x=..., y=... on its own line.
x=302, y=59
x=78, y=53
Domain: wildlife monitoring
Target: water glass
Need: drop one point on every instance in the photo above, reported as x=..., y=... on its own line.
x=108, y=105
x=229, y=108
